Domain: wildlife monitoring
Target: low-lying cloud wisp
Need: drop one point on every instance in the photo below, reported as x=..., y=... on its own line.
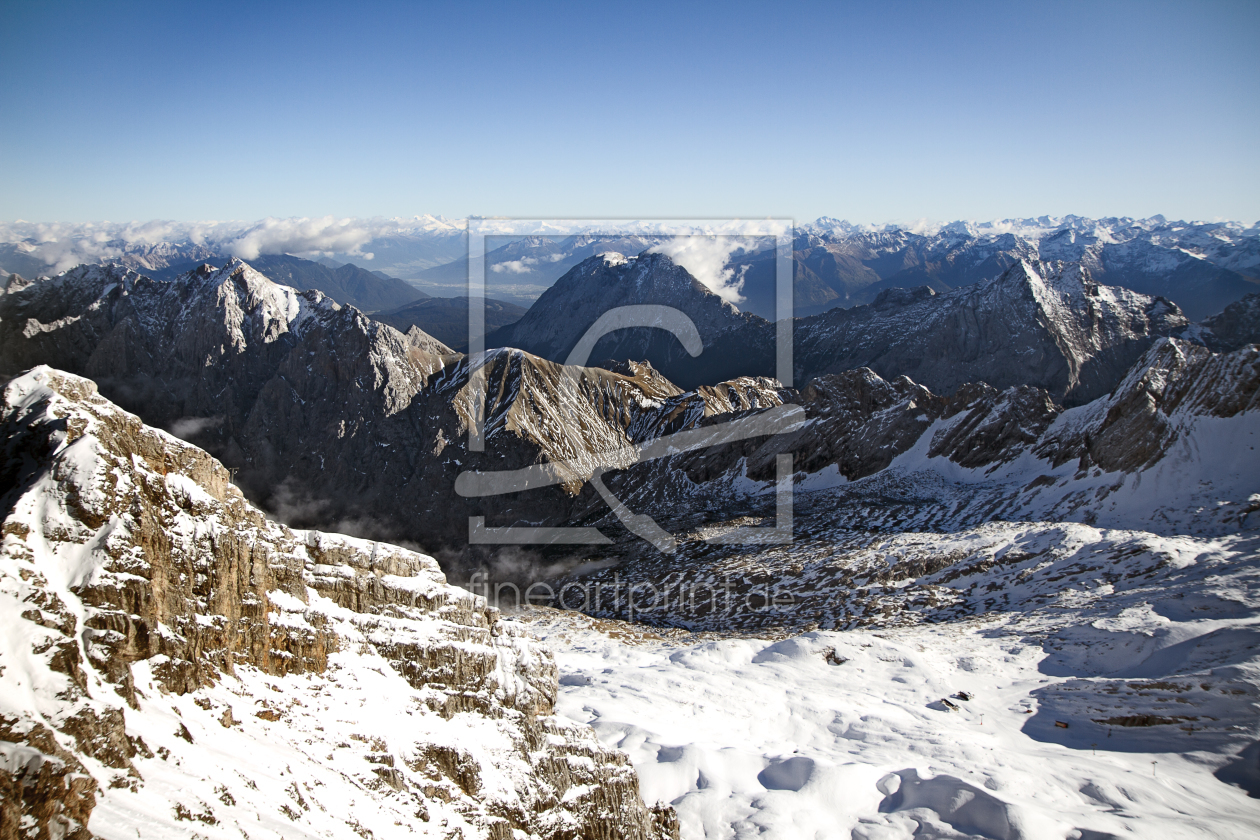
x=706, y=258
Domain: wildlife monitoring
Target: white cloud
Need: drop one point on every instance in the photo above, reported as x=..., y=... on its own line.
x=706, y=258
x=521, y=266
x=297, y=236
x=63, y=246
x=158, y=243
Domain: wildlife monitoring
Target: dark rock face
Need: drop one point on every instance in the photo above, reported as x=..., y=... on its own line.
x=861, y=422
x=171, y=567
x=1045, y=325
x=198, y=346
x=1237, y=326
x=856, y=423
x=446, y=319
x=735, y=344
x=996, y=427
x=332, y=419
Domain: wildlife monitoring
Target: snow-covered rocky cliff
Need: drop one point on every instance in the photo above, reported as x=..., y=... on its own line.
x=173, y=663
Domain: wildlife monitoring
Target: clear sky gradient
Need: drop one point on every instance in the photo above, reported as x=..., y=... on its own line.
x=873, y=111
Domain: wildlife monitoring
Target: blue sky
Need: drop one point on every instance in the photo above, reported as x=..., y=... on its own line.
x=875, y=112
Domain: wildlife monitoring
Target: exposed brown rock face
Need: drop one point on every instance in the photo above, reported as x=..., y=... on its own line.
x=125, y=547
x=45, y=791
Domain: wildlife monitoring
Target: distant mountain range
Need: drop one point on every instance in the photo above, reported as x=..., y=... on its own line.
x=1200, y=266
x=1021, y=443
x=332, y=417
x=1044, y=324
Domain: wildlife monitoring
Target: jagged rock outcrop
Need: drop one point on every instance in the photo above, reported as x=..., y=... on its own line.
x=890, y=472
x=855, y=425
x=1137, y=424
x=1048, y=325
x=202, y=345
x=1237, y=326
x=896, y=448
x=330, y=417
x=146, y=604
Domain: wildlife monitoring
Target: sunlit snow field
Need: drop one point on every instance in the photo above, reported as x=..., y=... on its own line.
x=770, y=739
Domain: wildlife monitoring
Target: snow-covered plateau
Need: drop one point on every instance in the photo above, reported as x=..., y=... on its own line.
x=1085, y=709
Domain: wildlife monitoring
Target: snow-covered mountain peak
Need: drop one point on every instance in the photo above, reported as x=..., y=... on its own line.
x=959, y=229
x=250, y=304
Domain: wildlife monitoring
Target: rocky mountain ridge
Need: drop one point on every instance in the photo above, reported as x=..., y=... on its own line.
x=1202, y=267
x=1237, y=326
x=151, y=612
x=890, y=454
x=332, y=418
x=329, y=416
x=1049, y=325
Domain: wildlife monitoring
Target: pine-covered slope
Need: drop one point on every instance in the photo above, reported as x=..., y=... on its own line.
x=173, y=661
